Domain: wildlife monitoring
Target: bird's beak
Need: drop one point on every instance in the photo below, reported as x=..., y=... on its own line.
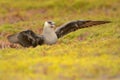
x=52, y=26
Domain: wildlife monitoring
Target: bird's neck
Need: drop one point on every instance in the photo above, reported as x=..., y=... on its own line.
x=48, y=30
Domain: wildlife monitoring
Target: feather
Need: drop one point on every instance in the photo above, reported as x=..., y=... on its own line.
x=75, y=25
x=26, y=38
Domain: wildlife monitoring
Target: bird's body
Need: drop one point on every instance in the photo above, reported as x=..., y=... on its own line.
x=50, y=36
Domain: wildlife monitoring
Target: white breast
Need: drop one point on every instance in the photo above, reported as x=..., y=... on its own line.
x=50, y=38
x=49, y=35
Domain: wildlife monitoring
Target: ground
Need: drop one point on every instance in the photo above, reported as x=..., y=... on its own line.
x=87, y=54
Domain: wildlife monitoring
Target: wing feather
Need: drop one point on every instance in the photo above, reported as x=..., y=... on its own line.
x=75, y=25
x=26, y=38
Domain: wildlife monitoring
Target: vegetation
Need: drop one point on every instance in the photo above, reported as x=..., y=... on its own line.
x=89, y=53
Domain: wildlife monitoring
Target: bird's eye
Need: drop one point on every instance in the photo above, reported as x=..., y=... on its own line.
x=49, y=22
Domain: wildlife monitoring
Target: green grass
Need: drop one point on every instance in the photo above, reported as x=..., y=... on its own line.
x=90, y=53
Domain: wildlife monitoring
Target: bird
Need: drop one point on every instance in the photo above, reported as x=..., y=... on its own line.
x=50, y=36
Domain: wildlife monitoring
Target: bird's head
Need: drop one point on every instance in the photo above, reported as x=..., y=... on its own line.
x=49, y=24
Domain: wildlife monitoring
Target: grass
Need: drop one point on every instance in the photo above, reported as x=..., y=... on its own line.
x=90, y=53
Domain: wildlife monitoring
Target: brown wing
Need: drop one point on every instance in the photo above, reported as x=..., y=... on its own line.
x=75, y=25
x=26, y=38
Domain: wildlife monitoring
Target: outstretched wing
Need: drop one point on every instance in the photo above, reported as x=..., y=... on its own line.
x=26, y=38
x=75, y=25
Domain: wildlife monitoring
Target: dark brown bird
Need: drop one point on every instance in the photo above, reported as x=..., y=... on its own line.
x=50, y=36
